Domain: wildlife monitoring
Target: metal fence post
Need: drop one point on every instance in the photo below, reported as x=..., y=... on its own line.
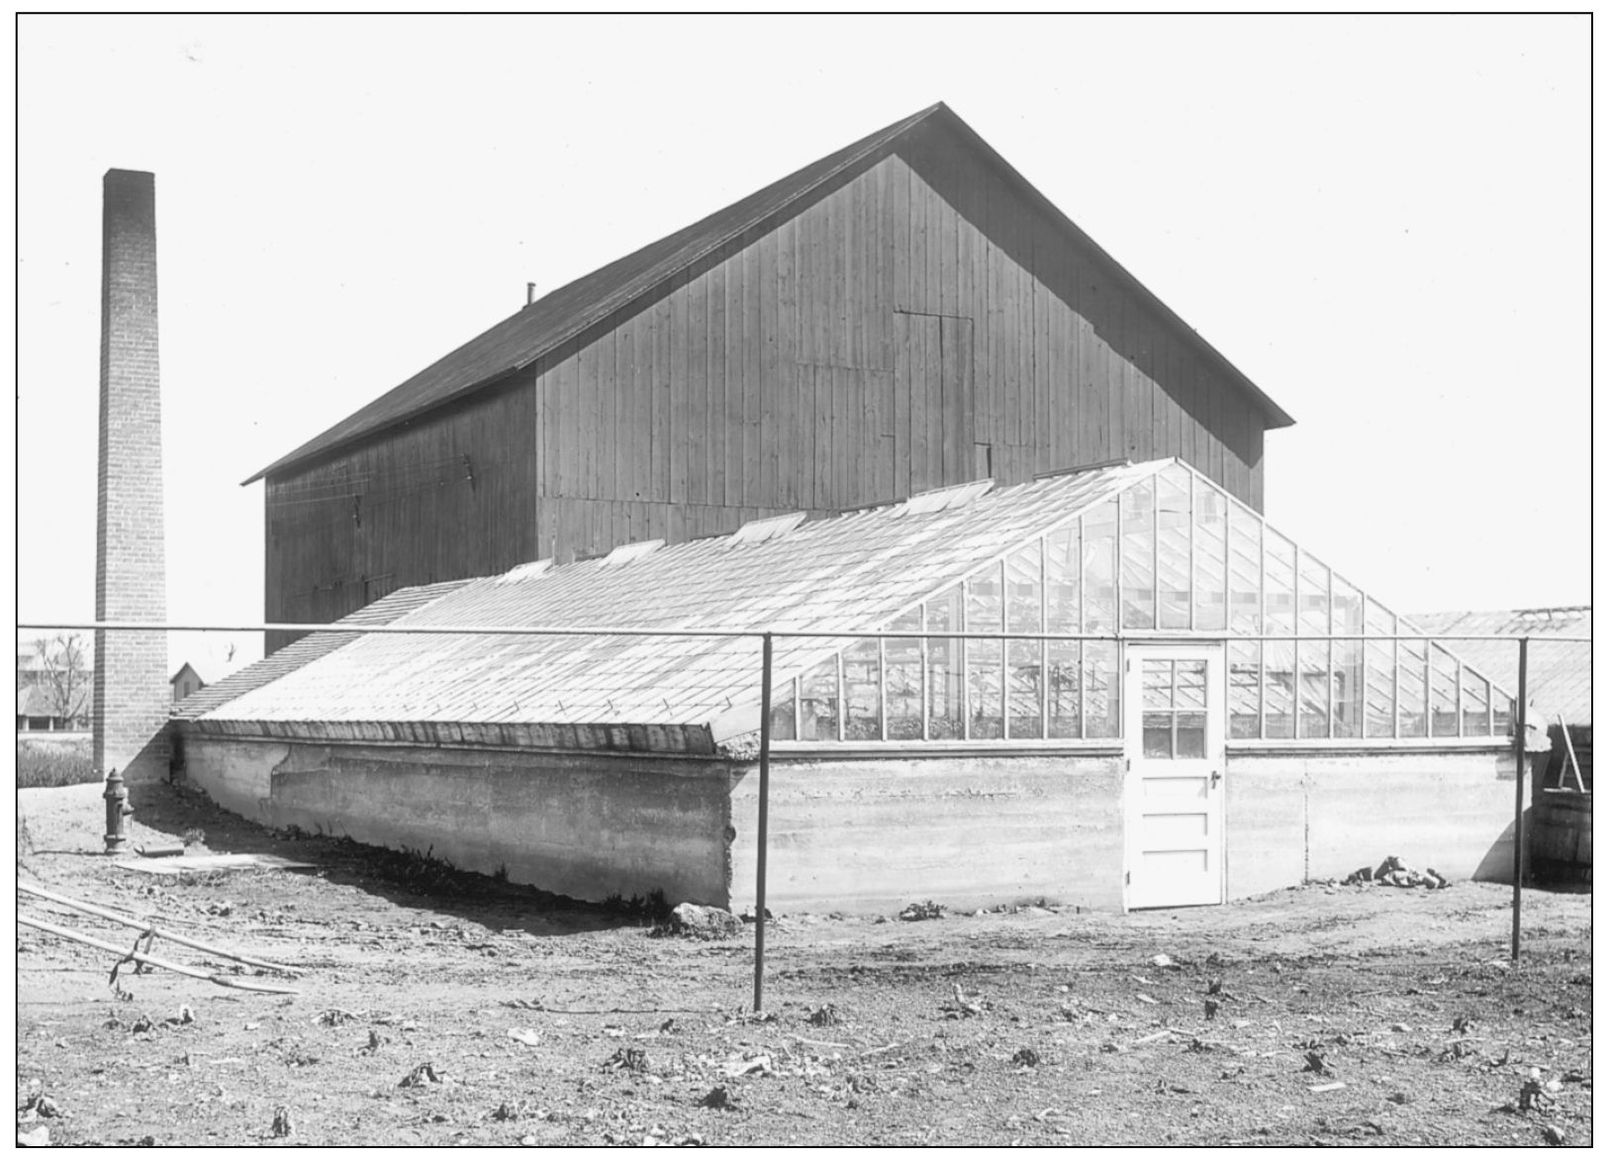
x=760, y=826
x=1519, y=830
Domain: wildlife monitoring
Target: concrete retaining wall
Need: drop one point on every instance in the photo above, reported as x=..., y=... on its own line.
x=966, y=831
x=1291, y=816
x=584, y=826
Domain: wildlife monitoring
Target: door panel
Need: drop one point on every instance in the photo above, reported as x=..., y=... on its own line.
x=1175, y=786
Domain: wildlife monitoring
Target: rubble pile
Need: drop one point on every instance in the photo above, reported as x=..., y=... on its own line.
x=1394, y=872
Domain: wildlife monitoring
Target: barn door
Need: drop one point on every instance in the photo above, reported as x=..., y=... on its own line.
x=1174, y=728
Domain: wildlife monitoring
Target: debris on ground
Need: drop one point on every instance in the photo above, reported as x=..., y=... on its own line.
x=627, y=1058
x=960, y=1007
x=282, y=1127
x=718, y=1099
x=1392, y=871
x=420, y=1075
x=525, y=1037
x=703, y=922
x=1026, y=1056
x=38, y=1137
x=922, y=911
x=825, y=1015
x=1553, y=1135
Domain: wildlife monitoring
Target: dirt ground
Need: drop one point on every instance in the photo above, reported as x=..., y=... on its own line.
x=437, y=1008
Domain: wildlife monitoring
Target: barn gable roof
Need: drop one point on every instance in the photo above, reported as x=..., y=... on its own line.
x=544, y=326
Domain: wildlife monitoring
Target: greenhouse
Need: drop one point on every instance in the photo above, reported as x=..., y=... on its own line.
x=1171, y=555
x=1116, y=687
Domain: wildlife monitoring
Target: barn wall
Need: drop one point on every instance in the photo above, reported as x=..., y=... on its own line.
x=965, y=831
x=918, y=326
x=585, y=827
x=1292, y=817
x=449, y=496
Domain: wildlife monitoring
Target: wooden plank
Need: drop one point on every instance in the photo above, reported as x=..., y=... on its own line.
x=539, y=427
x=784, y=387
x=882, y=295
x=642, y=404
x=736, y=363
x=949, y=281
x=677, y=377
x=698, y=388
x=662, y=448
x=902, y=398
x=768, y=413
x=900, y=224
x=565, y=426
x=822, y=452
x=750, y=444
x=855, y=243
x=933, y=403
x=716, y=386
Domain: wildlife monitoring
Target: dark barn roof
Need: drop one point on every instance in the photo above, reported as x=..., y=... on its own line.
x=548, y=323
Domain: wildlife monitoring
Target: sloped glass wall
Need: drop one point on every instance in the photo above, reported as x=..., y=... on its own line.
x=1171, y=554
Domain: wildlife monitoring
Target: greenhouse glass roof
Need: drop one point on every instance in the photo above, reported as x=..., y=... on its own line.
x=1135, y=551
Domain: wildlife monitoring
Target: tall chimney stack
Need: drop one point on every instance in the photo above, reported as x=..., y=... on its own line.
x=132, y=695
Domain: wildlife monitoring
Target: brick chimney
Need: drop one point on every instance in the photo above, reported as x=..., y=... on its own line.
x=132, y=696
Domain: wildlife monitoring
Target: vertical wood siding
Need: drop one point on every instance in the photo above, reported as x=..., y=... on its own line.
x=449, y=496
x=914, y=328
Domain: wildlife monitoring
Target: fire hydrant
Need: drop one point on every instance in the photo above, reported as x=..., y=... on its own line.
x=117, y=808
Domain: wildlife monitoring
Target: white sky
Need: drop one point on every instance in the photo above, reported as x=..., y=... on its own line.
x=1384, y=222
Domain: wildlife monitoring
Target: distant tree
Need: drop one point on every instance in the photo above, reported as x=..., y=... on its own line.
x=64, y=675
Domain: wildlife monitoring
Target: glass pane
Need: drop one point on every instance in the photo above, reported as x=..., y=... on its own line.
x=984, y=689
x=1191, y=735
x=1191, y=684
x=1100, y=682
x=1063, y=671
x=1411, y=688
x=861, y=677
x=984, y=600
x=1063, y=581
x=1209, y=566
x=1378, y=689
x=1314, y=601
x=1174, y=548
x=903, y=688
x=1314, y=692
x=1348, y=688
x=1475, y=704
x=1279, y=680
x=783, y=711
x=944, y=614
x=1247, y=568
x=1097, y=529
x=1157, y=683
x=1135, y=522
x=819, y=702
x=1444, y=700
x=1024, y=590
x=1156, y=739
x=1023, y=688
x=1280, y=581
x=1378, y=620
x=1347, y=607
x=1504, y=714
x=1242, y=689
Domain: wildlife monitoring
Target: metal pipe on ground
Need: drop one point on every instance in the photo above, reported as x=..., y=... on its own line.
x=150, y=928
x=136, y=956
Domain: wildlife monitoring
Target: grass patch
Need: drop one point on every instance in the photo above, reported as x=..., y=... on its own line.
x=52, y=765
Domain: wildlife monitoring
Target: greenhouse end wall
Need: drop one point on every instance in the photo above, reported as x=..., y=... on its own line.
x=967, y=830
x=1294, y=816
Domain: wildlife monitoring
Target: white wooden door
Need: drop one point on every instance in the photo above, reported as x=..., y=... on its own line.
x=1174, y=728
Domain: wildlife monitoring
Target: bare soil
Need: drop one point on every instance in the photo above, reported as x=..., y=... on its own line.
x=438, y=1008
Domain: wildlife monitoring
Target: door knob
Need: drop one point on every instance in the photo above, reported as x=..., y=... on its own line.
x=1213, y=778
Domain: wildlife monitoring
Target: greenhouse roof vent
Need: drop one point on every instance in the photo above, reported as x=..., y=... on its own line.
x=761, y=530
x=945, y=498
x=526, y=571
x=628, y=552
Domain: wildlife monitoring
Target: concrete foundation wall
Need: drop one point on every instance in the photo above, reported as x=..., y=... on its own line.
x=965, y=831
x=1291, y=817
x=586, y=827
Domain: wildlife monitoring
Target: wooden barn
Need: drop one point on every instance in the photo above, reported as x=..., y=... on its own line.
x=904, y=314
